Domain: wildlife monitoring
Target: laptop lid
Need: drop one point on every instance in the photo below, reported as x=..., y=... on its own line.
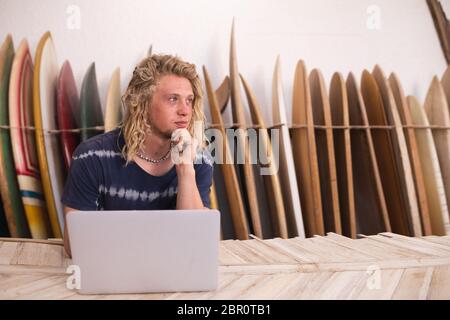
x=145, y=251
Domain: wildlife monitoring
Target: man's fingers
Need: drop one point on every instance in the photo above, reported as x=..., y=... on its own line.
x=185, y=146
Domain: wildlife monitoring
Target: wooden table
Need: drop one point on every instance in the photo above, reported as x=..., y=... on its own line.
x=386, y=266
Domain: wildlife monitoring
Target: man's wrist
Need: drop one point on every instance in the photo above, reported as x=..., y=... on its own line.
x=185, y=170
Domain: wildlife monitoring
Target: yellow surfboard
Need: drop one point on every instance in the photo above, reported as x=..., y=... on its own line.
x=48, y=147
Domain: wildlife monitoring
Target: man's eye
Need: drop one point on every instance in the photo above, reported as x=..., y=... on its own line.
x=172, y=99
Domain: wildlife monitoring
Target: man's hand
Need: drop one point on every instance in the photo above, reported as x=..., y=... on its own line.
x=183, y=155
x=184, y=147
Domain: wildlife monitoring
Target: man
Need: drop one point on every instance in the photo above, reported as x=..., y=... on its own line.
x=147, y=163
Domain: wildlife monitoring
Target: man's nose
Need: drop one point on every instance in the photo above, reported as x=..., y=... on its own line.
x=183, y=107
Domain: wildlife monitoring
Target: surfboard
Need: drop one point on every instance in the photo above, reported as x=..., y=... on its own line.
x=402, y=161
x=325, y=153
x=242, y=146
x=436, y=108
x=90, y=106
x=9, y=187
x=234, y=196
x=445, y=81
x=24, y=145
x=288, y=178
x=48, y=145
x=294, y=226
x=434, y=185
x=343, y=154
x=215, y=203
x=223, y=94
x=384, y=150
x=406, y=120
x=213, y=197
x=68, y=112
x=113, y=110
x=371, y=210
x=305, y=154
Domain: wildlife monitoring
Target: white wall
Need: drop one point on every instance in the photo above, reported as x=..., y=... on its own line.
x=331, y=35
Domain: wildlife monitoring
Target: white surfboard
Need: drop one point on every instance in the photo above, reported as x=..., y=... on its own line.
x=113, y=110
x=434, y=186
x=436, y=109
x=288, y=177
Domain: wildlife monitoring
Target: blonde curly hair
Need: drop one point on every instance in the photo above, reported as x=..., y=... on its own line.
x=138, y=96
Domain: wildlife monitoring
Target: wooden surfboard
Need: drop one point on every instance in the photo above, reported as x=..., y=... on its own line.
x=385, y=155
x=438, y=115
x=325, y=153
x=68, y=112
x=235, y=201
x=91, y=108
x=9, y=187
x=402, y=161
x=243, y=148
x=271, y=179
x=445, y=81
x=370, y=204
x=213, y=197
x=48, y=146
x=343, y=154
x=215, y=203
x=24, y=145
x=222, y=94
x=434, y=185
x=113, y=110
x=288, y=178
x=406, y=120
x=305, y=154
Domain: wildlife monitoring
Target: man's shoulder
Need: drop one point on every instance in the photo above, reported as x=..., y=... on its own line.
x=107, y=144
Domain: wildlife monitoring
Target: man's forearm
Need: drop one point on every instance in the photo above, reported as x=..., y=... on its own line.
x=188, y=196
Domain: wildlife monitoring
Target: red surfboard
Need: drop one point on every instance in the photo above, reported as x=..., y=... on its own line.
x=24, y=143
x=68, y=111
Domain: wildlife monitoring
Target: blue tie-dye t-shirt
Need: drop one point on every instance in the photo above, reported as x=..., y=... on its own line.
x=99, y=180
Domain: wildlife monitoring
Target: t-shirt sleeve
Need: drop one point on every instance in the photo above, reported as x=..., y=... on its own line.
x=203, y=177
x=82, y=188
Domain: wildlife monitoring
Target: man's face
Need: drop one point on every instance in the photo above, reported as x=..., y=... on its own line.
x=171, y=106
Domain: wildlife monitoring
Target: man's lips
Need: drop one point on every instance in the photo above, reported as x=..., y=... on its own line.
x=181, y=124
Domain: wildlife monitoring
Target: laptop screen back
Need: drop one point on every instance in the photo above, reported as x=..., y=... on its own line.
x=145, y=251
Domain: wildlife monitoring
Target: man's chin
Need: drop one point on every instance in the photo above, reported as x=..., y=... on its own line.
x=163, y=134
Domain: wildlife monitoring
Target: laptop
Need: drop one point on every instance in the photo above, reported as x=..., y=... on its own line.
x=145, y=251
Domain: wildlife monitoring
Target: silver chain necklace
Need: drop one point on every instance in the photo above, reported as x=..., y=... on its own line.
x=154, y=161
